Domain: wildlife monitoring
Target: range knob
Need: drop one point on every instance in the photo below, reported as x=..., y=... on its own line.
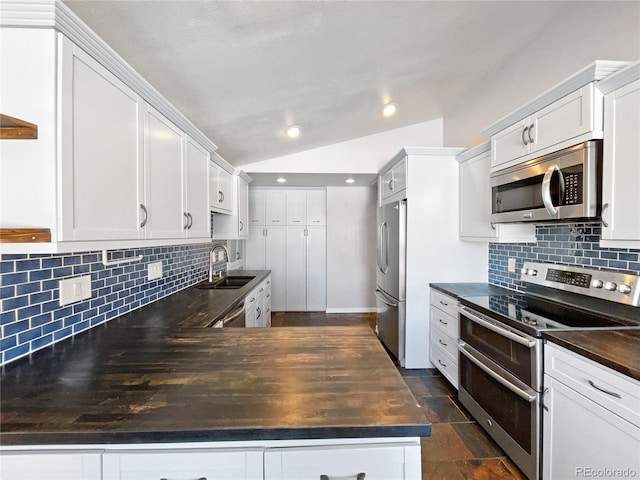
x=626, y=289
x=597, y=283
x=611, y=286
x=532, y=272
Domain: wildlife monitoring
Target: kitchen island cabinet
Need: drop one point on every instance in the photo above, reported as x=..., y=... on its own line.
x=154, y=383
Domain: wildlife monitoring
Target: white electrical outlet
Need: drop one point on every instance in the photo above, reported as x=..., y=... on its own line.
x=74, y=289
x=154, y=270
x=511, y=265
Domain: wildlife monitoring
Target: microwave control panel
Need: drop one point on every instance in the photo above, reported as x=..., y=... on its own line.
x=572, y=189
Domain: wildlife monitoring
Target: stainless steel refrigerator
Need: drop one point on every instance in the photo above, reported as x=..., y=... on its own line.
x=391, y=276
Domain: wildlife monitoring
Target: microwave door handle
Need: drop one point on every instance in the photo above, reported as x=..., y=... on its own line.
x=546, y=189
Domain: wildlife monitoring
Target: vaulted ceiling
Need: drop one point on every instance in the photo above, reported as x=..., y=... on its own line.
x=242, y=71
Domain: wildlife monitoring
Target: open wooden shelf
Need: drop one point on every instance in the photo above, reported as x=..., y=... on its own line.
x=24, y=235
x=15, y=128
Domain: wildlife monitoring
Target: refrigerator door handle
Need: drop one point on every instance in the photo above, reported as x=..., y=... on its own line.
x=379, y=249
x=384, y=298
x=385, y=240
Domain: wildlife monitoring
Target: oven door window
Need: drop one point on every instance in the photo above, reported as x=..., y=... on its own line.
x=515, y=415
x=510, y=355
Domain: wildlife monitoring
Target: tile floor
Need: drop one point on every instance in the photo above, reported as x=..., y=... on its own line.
x=458, y=448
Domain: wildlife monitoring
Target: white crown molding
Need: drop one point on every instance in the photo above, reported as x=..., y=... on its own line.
x=619, y=79
x=54, y=14
x=474, y=151
x=592, y=73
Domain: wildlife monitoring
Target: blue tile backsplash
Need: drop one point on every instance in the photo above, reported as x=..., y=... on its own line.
x=30, y=314
x=569, y=244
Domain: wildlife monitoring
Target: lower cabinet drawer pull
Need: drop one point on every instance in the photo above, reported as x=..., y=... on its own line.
x=444, y=303
x=359, y=476
x=199, y=478
x=443, y=364
x=442, y=343
x=442, y=322
x=613, y=394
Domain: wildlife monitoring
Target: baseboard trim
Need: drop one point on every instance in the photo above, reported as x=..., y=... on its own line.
x=352, y=310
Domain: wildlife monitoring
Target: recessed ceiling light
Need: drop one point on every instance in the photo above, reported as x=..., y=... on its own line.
x=281, y=179
x=293, y=131
x=389, y=109
x=350, y=180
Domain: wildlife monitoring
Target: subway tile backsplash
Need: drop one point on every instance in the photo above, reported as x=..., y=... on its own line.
x=568, y=244
x=30, y=314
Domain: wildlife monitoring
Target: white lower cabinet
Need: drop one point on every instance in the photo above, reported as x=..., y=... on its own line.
x=209, y=464
x=443, y=335
x=591, y=426
x=66, y=465
x=258, y=305
x=353, y=462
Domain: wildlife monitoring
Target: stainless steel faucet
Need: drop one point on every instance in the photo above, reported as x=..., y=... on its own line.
x=212, y=258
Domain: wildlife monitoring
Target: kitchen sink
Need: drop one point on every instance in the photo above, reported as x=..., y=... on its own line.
x=228, y=282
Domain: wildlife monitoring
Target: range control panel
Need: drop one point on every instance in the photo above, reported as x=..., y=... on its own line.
x=613, y=286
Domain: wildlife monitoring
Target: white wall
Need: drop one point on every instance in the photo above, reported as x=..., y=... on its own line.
x=351, y=249
x=586, y=32
x=361, y=155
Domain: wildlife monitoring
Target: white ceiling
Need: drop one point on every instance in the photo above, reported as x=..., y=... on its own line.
x=242, y=71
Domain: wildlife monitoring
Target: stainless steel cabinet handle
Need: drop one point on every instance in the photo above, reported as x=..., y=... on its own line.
x=443, y=364
x=546, y=189
x=443, y=322
x=390, y=183
x=524, y=140
x=444, y=303
x=613, y=394
x=442, y=343
x=190, y=220
x=605, y=224
x=359, y=476
x=530, y=129
x=186, y=225
x=497, y=329
x=241, y=226
x=220, y=196
x=146, y=215
x=525, y=393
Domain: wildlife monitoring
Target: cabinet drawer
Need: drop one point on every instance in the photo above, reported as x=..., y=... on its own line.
x=445, y=321
x=446, y=303
x=69, y=465
x=378, y=462
x=594, y=381
x=196, y=463
x=443, y=362
x=441, y=339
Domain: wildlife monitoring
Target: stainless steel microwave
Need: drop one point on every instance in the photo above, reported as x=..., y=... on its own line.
x=559, y=186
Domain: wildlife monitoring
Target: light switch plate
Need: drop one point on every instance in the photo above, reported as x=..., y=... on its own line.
x=154, y=270
x=74, y=289
x=511, y=265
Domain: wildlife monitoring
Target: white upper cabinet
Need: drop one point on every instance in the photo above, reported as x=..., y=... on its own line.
x=475, y=203
x=566, y=115
x=306, y=207
x=197, y=191
x=256, y=208
x=275, y=208
x=621, y=162
x=221, y=187
x=235, y=225
x=392, y=182
x=163, y=177
x=101, y=149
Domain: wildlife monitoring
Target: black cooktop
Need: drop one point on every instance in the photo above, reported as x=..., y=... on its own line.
x=545, y=309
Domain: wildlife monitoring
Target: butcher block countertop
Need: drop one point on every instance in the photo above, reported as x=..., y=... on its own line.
x=175, y=384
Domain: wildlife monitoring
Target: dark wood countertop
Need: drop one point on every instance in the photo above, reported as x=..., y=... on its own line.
x=469, y=289
x=616, y=349
x=166, y=383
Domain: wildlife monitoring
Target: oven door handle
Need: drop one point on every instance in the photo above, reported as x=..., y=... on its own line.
x=528, y=395
x=233, y=315
x=499, y=330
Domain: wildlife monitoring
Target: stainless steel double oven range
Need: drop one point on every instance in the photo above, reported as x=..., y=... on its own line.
x=500, y=346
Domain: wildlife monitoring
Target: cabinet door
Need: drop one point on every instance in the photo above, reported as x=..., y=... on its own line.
x=51, y=466
x=316, y=207
x=225, y=191
x=251, y=309
x=275, y=207
x=267, y=302
x=255, y=249
x=581, y=437
x=187, y=464
x=256, y=207
x=214, y=195
x=163, y=176
x=243, y=208
x=510, y=144
x=385, y=184
x=316, y=276
x=101, y=147
x=399, y=172
x=197, y=191
x=475, y=198
x=295, y=264
x=564, y=119
x=275, y=248
x=621, y=166
x=296, y=207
